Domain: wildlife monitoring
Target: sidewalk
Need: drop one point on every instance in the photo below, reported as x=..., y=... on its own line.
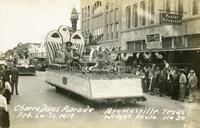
x=193, y=120
x=193, y=110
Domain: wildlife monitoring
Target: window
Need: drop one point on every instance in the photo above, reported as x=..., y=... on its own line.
x=143, y=11
x=112, y=30
x=111, y=16
x=152, y=10
x=82, y=13
x=88, y=24
x=167, y=5
x=128, y=17
x=107, y=5
x=85, y=12
x=178, y=42
x=196, y=7
x=107, y=18
x=88, y=11
x=180, y=6
x=107, y=31
x=135, y=15
x=117, y=30
x=82, y=25
x=116, y=14
x=97, y=8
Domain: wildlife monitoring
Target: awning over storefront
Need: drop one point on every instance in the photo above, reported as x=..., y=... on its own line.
x=159, y=50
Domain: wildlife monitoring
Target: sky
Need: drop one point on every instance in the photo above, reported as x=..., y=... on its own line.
x=30, y=20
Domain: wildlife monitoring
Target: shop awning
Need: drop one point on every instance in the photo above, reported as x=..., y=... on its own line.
x=159, y=50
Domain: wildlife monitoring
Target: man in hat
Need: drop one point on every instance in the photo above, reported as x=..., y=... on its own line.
x=68, y=46
x=192, y=85
x=14, y=79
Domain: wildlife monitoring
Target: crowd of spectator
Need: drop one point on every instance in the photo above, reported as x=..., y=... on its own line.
x=8, y=81
x=163, y=79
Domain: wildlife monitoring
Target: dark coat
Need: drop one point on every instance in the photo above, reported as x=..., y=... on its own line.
x=15, y=74
x=175, y=91
x=4, y=118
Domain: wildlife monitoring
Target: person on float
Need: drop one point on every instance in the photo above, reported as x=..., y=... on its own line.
x=99, y=58
x=75, y=58
x=68, y=52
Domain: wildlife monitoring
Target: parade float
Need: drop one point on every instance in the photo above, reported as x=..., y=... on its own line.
x=95, y=76
x=23, y=61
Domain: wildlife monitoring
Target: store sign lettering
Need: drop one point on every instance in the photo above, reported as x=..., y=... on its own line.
x=170, y=18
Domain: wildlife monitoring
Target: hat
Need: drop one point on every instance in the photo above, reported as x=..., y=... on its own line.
x=69, y=43
x=191, y=71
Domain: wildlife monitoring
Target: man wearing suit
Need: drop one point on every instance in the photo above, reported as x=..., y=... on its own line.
x=14, y=79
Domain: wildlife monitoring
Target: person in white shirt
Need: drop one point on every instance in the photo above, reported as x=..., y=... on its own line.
x=192, y=85
x=7, y=92
x=182, y=85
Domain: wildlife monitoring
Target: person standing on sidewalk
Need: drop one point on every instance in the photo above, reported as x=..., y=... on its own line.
x=14, y=79
x=192, y=85
x=4, y=114
x=182, y=85
x=175, y=90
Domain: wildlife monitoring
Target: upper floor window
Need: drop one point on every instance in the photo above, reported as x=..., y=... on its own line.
x=128, y=17
x=111, y=16
x=107, y=5
x=107, y=18
x=143, y=11
x=83, y=13
x=88, y=10
x=168, y=3
x=97, y=8
x=196, y=6
x=116, y=15
x=116, y=29
x=180, y=6
x=135, y=15
x=152, y=10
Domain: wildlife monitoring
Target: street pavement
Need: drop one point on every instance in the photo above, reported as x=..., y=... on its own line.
x=38, y=105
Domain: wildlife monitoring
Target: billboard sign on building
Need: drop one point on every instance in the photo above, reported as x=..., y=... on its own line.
x=170, y=18
x=153, y=41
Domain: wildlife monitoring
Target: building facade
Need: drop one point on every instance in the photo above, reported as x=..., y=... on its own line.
x=136, y=25
x=102, y=18
x=142, y=20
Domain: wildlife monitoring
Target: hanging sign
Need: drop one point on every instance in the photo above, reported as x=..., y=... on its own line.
x=153, y=41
